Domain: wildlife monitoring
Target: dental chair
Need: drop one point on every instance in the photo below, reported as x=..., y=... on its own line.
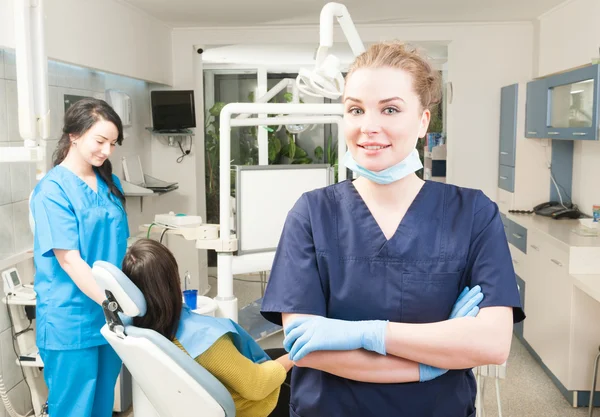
x=166, y=381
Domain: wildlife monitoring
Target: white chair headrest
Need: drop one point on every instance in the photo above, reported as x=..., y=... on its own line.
x=128, y=296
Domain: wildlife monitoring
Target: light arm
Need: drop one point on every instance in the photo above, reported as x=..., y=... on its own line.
x=358, y=365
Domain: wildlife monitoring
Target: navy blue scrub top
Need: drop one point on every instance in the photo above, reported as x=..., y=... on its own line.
x=333, y=260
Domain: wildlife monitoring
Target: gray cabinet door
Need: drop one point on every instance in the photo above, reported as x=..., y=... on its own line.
x=536, y=109
x=506, y=178
x=508, y=124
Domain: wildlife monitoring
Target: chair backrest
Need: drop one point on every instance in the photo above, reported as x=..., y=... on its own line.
x=174, y=384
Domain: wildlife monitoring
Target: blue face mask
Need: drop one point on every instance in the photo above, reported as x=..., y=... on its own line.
x=409, y=165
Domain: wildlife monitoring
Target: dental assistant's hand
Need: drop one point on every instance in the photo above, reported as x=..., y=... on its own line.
x=308, y=334
x=466, y=306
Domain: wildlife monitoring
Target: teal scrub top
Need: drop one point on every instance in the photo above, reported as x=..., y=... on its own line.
x=69, y=215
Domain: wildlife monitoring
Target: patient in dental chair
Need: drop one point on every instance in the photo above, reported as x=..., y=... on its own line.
x=257, y=380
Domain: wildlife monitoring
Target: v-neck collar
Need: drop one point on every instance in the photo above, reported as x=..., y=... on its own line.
x=372, y=231
x=84, y=184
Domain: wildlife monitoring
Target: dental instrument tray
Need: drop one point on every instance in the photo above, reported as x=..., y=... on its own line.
x=172, y=219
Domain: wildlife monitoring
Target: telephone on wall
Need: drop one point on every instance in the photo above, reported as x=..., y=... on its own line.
x=557, y=210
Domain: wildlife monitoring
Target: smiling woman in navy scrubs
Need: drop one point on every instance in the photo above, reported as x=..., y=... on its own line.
x=367, y=271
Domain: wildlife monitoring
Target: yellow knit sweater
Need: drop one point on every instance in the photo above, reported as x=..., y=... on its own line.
x=254, y=387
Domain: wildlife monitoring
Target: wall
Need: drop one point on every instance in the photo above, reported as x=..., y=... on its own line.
x=481, y=59
x=16, y=181
x=108, y=35
x=569, y=36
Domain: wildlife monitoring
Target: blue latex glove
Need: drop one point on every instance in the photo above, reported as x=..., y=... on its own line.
x=467, y=303
x=309, y=334
x=466, y=306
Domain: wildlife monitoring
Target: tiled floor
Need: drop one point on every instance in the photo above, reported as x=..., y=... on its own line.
x=526, y=391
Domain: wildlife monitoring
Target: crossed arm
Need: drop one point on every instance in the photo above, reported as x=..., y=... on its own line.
x=452, y=344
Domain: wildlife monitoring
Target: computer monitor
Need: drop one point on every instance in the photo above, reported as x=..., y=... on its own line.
x=173, y=110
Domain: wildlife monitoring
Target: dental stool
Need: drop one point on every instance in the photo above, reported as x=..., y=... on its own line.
x=496, y=372
x=166, y=381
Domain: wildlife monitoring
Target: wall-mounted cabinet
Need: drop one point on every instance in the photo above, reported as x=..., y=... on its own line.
x=536, y=109
x=573, y=104
x=564, y=106
x=519, y=178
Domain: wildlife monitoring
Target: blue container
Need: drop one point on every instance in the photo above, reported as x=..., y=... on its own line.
x=190, y=297
x=433, y=140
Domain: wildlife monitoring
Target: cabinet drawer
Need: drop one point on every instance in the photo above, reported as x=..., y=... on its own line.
x=517, y=236
x=507, y=157
x=557, y=257
x=506, y=178
x=551, y=252
x=518, y=259
x=571, y=134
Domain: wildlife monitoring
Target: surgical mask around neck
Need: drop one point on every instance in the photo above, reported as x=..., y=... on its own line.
x=409, y=165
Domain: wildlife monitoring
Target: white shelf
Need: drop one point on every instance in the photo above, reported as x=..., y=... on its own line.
x=179, y=132
x=37, y=363
x=18, y=301
x=15, y=259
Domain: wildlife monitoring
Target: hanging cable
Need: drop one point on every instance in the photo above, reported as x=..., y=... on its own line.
x=549, y=165
x=163, y=234
x=184, y=153
x=149, y=228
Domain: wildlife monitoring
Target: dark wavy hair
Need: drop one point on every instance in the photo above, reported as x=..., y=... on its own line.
x=79, y=118
x=153, y=269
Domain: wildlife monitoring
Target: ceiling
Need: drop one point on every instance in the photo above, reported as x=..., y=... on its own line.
x=196, y=13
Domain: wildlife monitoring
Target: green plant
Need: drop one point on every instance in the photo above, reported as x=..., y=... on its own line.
x=331, y=153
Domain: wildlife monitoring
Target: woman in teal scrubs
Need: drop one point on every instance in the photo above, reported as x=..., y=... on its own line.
x=79, y=215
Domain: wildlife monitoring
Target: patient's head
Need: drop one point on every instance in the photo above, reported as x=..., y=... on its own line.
x=153, y=269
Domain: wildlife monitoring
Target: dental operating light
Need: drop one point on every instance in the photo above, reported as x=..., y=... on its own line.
x=282, y=85
x=326, y=79
x=32, y=85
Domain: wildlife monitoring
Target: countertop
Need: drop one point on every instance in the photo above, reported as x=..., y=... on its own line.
x=561, y=230
x=589, y=284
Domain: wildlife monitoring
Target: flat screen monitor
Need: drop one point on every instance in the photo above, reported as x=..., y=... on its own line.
x=173, y=110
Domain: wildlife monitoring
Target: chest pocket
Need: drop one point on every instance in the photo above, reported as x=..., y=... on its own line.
x=428, y=297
